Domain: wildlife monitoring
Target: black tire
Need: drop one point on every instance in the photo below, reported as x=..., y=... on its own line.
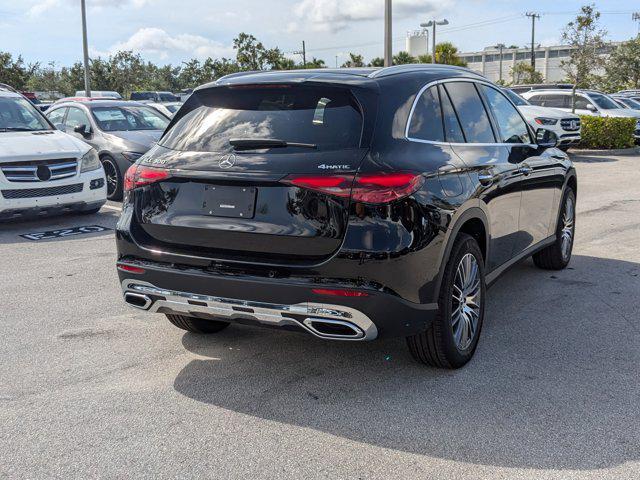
x=564, y=148
x=437, y=346
x=197, y=325
x=91, y=211
x=114, y=177
x=554, y=257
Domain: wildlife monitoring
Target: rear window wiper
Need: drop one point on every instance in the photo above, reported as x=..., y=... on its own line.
x=258, y=143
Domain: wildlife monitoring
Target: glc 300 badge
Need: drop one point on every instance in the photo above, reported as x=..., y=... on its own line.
x=227, y=161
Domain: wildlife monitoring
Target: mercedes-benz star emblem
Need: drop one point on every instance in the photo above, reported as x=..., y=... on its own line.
x=43, y=173
x=227, y=161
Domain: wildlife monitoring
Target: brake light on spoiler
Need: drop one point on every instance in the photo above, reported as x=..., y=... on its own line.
x=140, y=175
x=366, y=188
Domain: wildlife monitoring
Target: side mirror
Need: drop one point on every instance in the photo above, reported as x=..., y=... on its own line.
x=546, y=138
x=83, y=130
x=591, y=108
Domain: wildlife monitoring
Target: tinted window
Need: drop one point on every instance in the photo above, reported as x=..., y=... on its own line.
x=512, y=127
x=581, y=102
x=426, y=121
x=471, y=112
x=325, y=116
x=76, y=117
x=603, y=101
x=56, y=116
x=452, y=129
x=515, y=98
x=173, y=108
x=168, y=97
x=17, y=113
x=142, y=96
x=113, y=119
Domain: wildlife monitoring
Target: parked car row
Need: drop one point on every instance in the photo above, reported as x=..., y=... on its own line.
x=586, y=102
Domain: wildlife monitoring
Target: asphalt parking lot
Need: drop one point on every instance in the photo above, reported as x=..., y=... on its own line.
x=92, y=388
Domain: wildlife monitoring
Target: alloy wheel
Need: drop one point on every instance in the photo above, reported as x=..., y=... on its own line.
x=466, y=300
x=566, y=234
x=112, y=177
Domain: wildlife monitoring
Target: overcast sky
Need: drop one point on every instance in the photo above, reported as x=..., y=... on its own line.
x=170, y=31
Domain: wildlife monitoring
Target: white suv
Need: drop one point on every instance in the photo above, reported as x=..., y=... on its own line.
x=43, y=170
x=588, y=102
x=565, y=125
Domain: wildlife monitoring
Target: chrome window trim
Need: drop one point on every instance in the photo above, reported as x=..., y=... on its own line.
x=433, y=142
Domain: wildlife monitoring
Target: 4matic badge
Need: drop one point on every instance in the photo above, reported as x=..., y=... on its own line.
x=324, y=166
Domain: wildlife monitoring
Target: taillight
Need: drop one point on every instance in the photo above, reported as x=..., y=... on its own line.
x=140, y=175
x=365, y=188
x=130, y=268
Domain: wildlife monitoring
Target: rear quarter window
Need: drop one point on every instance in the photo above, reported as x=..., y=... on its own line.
x=471, y=112
x=328, y=117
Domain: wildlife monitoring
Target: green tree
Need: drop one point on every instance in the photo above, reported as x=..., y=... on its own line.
x=447, y=53
x=403, y=58
x=586, y=39
x=251, y=54
x=524, y=73
x=14, y=72
x=377, y=62
x=354, y=61
x=424, y=58
x=623, y=66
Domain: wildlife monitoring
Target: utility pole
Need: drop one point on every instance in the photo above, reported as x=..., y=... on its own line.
x=85, y=47
x=302, y=52
x=636, y=18
x=432, y=24
x=533, y=16
x=500, y=47
x=388, y=41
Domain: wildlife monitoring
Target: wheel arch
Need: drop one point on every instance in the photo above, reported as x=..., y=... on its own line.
x=474, y=222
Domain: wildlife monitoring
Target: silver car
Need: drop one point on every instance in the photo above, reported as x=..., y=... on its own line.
x=120, y=131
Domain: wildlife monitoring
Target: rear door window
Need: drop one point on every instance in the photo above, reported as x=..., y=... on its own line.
x=56, y=116
x=512, y=127
x=76, y=117
x=471, y=112
x=328, y=117
x=426, y=121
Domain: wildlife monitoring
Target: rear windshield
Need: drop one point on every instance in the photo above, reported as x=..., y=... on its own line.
x=325, y=116
x=168, y=97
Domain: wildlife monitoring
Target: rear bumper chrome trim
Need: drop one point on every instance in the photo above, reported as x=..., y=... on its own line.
x=301, y=314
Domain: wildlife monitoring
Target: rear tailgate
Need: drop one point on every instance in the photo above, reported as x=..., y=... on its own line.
x=231, y=204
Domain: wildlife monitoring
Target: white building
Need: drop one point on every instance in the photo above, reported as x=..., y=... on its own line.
x=548, y=61
x=417, y=43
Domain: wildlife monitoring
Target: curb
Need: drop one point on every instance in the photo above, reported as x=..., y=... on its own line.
x=624, y=151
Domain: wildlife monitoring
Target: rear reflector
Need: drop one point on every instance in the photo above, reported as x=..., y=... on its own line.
x=130, y=268
x=339, y=292
x=366, y=188
x=140, y=175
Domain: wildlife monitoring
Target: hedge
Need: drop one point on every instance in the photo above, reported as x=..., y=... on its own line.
x=607, y=132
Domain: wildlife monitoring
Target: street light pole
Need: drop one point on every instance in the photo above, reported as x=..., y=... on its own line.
x=85, y=47
x=388, y=45
x=432, y=24
x=500, y=46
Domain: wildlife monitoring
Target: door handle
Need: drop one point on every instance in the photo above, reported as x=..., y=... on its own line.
x=485, y=178
x=525, y=169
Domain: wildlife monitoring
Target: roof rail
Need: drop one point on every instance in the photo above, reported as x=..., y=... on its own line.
x=412, y=67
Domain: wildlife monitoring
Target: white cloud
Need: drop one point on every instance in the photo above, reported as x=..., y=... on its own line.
x=156, y=41
x=335, y=15
x=42, y=6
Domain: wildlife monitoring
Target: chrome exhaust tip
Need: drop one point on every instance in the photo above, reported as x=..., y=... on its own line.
x=333, y=329
x=137, y=300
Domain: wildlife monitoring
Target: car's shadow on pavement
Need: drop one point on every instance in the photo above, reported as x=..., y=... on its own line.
x=554, y=383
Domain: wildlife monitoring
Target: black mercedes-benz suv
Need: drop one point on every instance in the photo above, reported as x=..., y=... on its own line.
x=350, y=204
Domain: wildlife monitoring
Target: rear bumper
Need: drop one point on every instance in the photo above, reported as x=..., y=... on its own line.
x=272, y=302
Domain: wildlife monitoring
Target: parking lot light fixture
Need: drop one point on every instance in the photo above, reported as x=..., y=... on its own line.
x=432, y=24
